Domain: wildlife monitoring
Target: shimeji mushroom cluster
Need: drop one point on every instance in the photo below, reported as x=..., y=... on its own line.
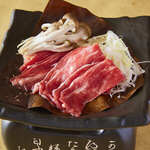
x=60, y=36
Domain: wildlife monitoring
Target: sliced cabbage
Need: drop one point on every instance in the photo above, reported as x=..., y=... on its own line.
x=115, y=49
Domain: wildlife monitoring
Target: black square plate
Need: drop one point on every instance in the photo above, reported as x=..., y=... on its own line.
x=135, y=112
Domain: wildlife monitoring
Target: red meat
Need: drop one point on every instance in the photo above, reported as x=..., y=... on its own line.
x=35, y=70
x=70, y=63
x=35, y=58
x=92, y=83
x=69, y=80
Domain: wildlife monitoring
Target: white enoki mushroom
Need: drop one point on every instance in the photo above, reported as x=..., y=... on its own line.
x=59, y=36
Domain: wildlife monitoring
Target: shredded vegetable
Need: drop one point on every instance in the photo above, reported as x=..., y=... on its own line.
x=115, y=49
